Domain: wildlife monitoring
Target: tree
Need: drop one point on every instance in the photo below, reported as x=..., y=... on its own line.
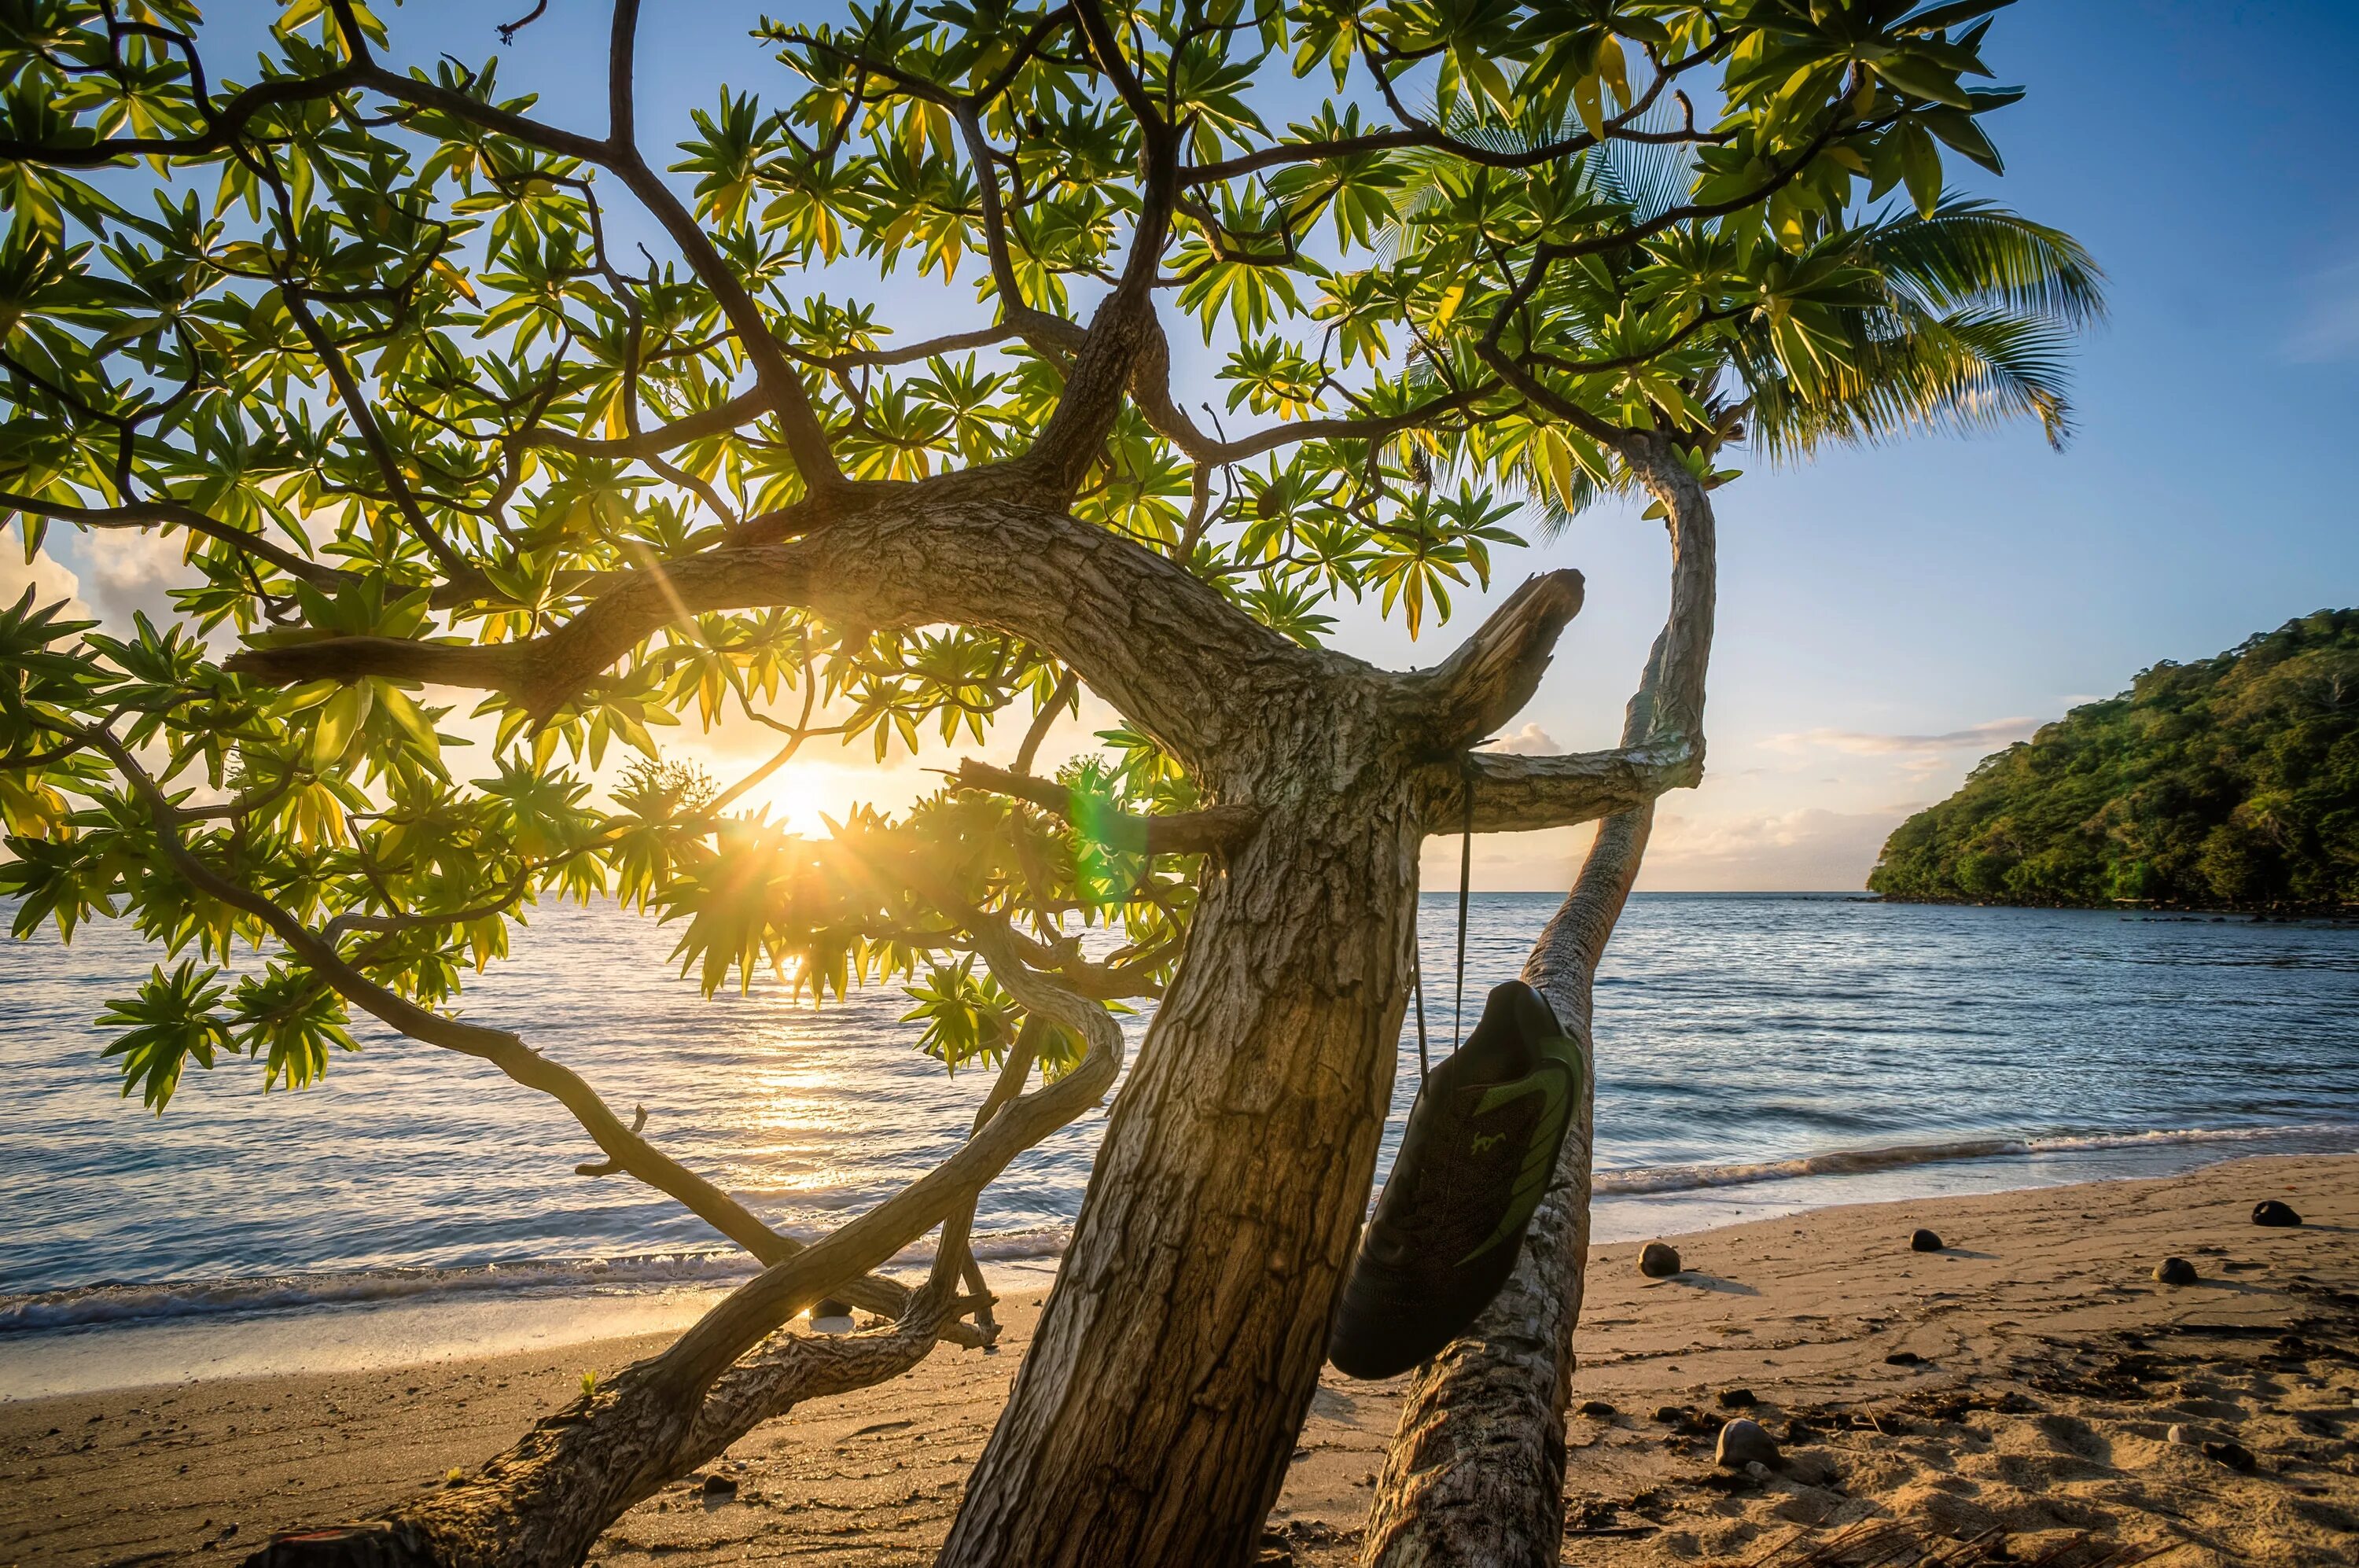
x=366, y=342
x=2229, y=783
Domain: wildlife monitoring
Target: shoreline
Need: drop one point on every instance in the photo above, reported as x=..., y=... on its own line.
x=113, y=1335
x=2050, y=1368
x=118, y=1335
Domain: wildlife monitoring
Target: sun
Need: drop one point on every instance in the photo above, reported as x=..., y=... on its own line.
x=793, y=799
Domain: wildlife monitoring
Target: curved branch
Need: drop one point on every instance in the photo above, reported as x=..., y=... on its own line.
x=623, y=1146
x=161, y=513
x=1494, y=673
x=1168, y=651
x=1475, y=1472
x=548, y=1497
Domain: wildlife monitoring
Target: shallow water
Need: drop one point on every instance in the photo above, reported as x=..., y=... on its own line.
x=1757, y=1053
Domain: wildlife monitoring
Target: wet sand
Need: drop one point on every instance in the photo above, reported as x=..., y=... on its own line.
x=2047, y=1370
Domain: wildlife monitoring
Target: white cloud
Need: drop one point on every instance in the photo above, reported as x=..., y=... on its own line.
x=1987, y=736
x=49, y=577
x=1529, y=741
x=136, y=571
x=1809, y=850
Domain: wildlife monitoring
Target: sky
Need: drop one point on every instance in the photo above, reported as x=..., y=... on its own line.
x=1886, y=616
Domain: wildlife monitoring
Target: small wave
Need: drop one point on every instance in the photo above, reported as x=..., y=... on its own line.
x=203, y=1298
x=1646, y=1179
x=96, y=1305
x=2191, y=1135
x=1688, y=1178
x=92, y=1305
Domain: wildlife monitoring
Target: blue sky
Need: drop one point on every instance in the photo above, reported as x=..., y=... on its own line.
x=1886, y=616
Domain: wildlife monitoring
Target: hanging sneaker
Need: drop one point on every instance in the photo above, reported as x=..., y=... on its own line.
x=1476, y=1156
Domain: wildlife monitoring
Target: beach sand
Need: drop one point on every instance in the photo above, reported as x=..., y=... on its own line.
x=2050, y=1369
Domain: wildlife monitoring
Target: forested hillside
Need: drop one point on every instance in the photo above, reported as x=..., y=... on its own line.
x=2230, y=783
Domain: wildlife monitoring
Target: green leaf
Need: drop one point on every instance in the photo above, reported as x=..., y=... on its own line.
x=340, y=718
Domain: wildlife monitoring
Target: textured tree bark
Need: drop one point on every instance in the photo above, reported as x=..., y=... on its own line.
x=1153, y=1418
x=1153, y=1415
x=1474, y=1477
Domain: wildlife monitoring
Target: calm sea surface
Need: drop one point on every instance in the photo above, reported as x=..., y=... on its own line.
x=1755, y=1054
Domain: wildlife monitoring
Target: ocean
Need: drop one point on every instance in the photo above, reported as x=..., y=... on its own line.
x=1757, y=1054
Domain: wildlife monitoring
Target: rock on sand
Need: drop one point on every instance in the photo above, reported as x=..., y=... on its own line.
x=1744, y=1443
x=1658, y=1261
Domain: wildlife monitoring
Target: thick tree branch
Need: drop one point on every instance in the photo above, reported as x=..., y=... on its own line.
x=548, y=1497
x=1071, y=442
x=1475, y=1472
x=789, y=1368
x=1165, y=650
x=1520, y=794
x=1494, y=673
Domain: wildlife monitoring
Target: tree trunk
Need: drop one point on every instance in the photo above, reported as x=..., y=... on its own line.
x=1474, y=1477
x=1153, y=1418
x=1154, y=1412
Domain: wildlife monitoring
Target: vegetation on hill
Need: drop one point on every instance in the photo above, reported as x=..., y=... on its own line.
x=2231, y=783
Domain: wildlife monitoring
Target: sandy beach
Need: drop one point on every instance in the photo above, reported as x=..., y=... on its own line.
x=2023, y=1384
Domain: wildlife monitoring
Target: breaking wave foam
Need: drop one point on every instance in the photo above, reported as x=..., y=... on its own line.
x=1646, y=1179
x=96, y=1305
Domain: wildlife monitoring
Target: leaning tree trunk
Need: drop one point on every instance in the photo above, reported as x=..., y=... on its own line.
x=1474, y=1477
x=1155, y=1413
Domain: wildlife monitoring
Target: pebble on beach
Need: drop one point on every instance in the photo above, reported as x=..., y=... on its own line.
x=2277, y=1216
x=1737, y=1400
x=2235, y=1455
x=1596, y=1410
x=2175, y=1271
x=719, y=1485
x=1658, y=1261
x=1744, y=1443
x=1923, y=1240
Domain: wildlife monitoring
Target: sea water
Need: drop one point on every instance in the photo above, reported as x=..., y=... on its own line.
x=1757, y=1054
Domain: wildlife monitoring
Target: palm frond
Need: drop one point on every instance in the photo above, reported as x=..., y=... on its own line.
x=1972, y=254
x=1960, y=374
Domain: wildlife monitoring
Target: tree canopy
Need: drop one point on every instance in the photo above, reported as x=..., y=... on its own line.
x=2229, y=783
x=359, y=339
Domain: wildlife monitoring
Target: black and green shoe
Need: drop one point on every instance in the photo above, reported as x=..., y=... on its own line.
x=1480, y=1147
